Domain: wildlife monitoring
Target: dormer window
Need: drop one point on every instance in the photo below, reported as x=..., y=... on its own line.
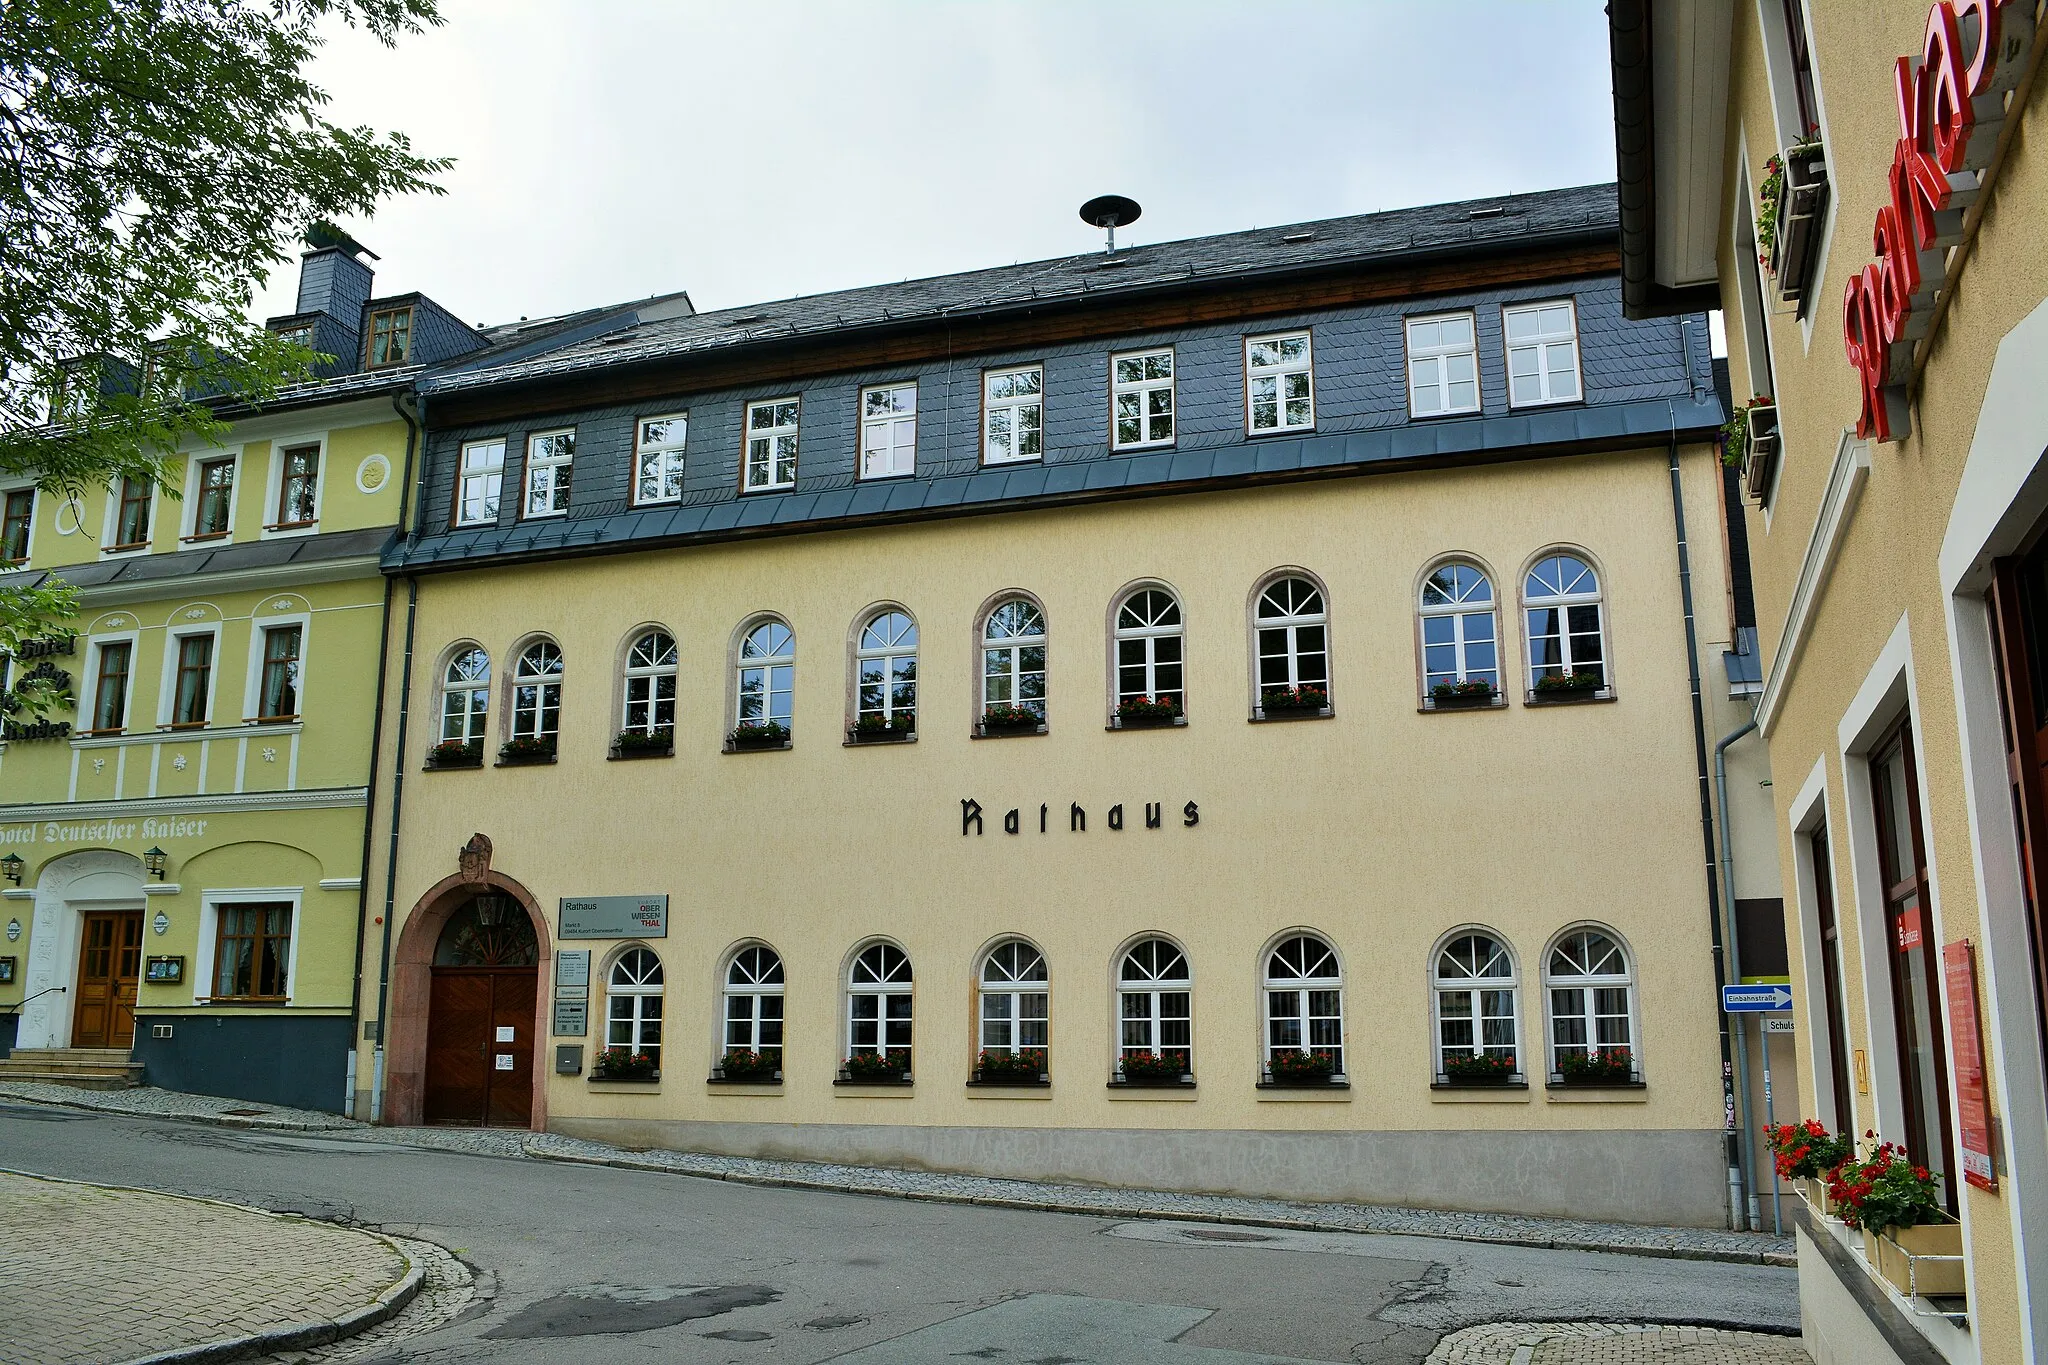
x=298, y=335
x=390, y=337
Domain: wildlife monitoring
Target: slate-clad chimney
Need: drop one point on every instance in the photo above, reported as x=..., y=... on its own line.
x=334, y=284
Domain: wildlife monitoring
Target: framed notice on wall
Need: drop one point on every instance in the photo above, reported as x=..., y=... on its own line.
x=1966, y=1044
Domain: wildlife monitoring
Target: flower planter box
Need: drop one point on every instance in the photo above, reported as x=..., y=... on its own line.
x=470, y=757
x=1285, y=1082
x=1815, y=1192
x=1184, y=1078
x=991, y=728
x=1012, y=1078
x=1802, y=204
x=1461, y=701
x=1761, y=454
x=1925, y=1260
x=645, y=743
x=509, y=757
x=874, y=1078
x=1568, y=691
x=666, y=751
x=860, y=736
x=630, y=1078
x=720, y=1076
x=1146, y=722
x=752, y=743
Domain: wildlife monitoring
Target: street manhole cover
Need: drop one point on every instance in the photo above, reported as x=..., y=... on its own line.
x=1225, y=1235
x=245, y=1113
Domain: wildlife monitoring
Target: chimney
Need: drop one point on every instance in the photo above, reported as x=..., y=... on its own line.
x=333, y=287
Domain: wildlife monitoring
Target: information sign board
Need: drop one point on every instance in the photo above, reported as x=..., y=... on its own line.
x=1966, y=1050
x=614, y=916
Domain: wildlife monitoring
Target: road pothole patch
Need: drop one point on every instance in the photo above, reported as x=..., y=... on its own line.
x=591, y=1310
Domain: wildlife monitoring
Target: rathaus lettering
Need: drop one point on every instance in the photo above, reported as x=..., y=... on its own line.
x=971, y=813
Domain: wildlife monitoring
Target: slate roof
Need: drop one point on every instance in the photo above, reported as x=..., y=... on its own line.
x=302, y=551
x=1469, y=227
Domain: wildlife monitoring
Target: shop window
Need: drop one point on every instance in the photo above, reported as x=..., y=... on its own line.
x=888, y=431
x=767, y=675
x=1305, y=1001
x=1543, y=353
x=753, y=1002
x=1013, y=644
x=885, y=670
x=479, y=483
x=658, y=458
x=1141, y=395
x=650, y=692
x=1475, y=1001
x=1443, y=366
x=1155, y=1005
x=252, y=951
x=1562, y=601
x=771, y=445
x=550, y=463
x=1013, y=415
x=279, y=696
x=633, y=1004
x=878, y=1004
x=1016, y=1000
x=1459, y=630
x=537, y=692
x=466, y=696
x=1149, y=652
x=1292, y=626
x=1591, y=993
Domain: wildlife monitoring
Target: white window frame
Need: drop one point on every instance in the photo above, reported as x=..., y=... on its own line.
x=1153, y=985
x=668, y=455
x=754, y=992
x=743, y=663
x=1473, y=987
x=1443, y=353
x=89, y=685
x=1301, y=987
x=1542, y=344
x=1012, y=647
x=1147, y=638
x=1013, y=990
x=489, y=476
x=1293, y=624
x=1013, y=407
x=1624, y=980
x=110, y=526
x=886, y=652
x=1458, y=611
x=273, y=489
x=1597, y=599
x=883, y=990
x=771, y=437
x=188, y=519
x=1143, y=390
x=638, y=993
x=476, y=725
x=648, y=676
x=1279, y=372
x=889, y=427
x=206, y=954
x=549, y=473
x=167, y=692
x=259, y=631
x=542, y=682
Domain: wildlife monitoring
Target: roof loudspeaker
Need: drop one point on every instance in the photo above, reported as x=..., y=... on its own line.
x=1110, y=212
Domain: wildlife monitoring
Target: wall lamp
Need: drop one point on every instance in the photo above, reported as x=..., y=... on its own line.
x=10, y=868
x=153, y=863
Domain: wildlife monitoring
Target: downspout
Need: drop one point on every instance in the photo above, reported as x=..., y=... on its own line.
x=1728, y=931
x=416, y=422
x=1736, y=1182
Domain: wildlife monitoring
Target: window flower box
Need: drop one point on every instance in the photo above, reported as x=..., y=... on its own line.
x=624, y=1064
x=1294, y=701
x=1815, y=1192
x=1011, y=720
x=742, y=1067
x=1750, y=442
x=1146, y=1068
x=1802, y=202
x=877, y=729
x=1471, y=1069
x=1472, y=692
x=874, y=1068
x=1568, y=686
x=526, y=749
x=1607, y=1066
x=749, y=735
x=456, y=753
x=1026, y=1066
x=645, y=743
x=1924, y=1260
x=1300, y=1069
x=1909, y=1239
x=1141, y=713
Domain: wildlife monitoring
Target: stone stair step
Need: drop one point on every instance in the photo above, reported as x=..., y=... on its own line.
x=126, y=1078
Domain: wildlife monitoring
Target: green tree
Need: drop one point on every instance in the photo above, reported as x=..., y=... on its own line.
x=158, y=158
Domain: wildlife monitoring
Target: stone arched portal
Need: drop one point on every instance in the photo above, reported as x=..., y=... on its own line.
x=412, y=981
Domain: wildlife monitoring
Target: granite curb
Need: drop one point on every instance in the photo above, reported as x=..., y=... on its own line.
x=297, y=1336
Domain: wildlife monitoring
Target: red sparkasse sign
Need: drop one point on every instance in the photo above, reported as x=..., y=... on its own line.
x=1966, y=1047
x=1951, y=98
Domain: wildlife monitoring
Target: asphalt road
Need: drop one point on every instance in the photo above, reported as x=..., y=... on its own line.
x=604, y=1265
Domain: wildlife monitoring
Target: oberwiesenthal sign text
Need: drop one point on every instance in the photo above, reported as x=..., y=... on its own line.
x=614, y=917
x=1755, y=999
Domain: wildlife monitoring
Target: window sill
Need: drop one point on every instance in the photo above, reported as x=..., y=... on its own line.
x=535, y=761
x=1146, y=448
x=458, y=766
x=629, y=755
x=137, y=548
x=1265, y=717
x=1145, y=1090
x=750, y=1086
x=1170, y=723
x=857, y=740
x=1498, y=702
x=1326, y=1092
x=645, y=1085
x=1442, y=413
x=1280, y=431
x=194, y=540
x=1613, y=1092
x=885, y=478
x=1483, y=1092
x=770, y=488
x=240, y=1002
x=544, y=516
x=1044, y=1082
x=896, y=1089
x=760, y=747
x=1569, y=698
x=285, y=528
x=1009, y=732
x=1012, y=464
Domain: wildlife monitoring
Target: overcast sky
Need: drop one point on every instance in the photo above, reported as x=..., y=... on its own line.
x=749, y=150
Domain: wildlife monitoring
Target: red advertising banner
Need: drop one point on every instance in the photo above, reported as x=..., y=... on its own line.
x=1966, y=1045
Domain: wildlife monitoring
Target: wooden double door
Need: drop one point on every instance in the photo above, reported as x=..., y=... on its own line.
x=480, y=1043
x=109, y=969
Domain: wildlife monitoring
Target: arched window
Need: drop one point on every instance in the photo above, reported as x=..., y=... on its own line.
x=1459, y=641
x=633, y=1004
x=1474, y=979
x=466, y=696
x=1562, y=598
x=537, y=692
x=753, y=1002
x=878, y=1005
x=1148, y=649
x=1155, y=1014
x=651, y=684
x=1305, y=1000
x=1293, y=646
x=767, y=675
x=1013, y=658
x=1015, y=1003
x=885, y=664
x=1591, y=991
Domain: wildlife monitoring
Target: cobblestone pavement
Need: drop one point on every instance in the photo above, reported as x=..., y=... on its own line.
x=1561, y=1233
x=91, y=1273
x=447, y=1289
x=1583, y=1343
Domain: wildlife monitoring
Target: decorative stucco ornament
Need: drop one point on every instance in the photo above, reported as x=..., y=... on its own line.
x=475, y=860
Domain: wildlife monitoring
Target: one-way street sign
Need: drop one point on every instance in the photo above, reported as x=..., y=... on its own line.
x=1755, y=999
